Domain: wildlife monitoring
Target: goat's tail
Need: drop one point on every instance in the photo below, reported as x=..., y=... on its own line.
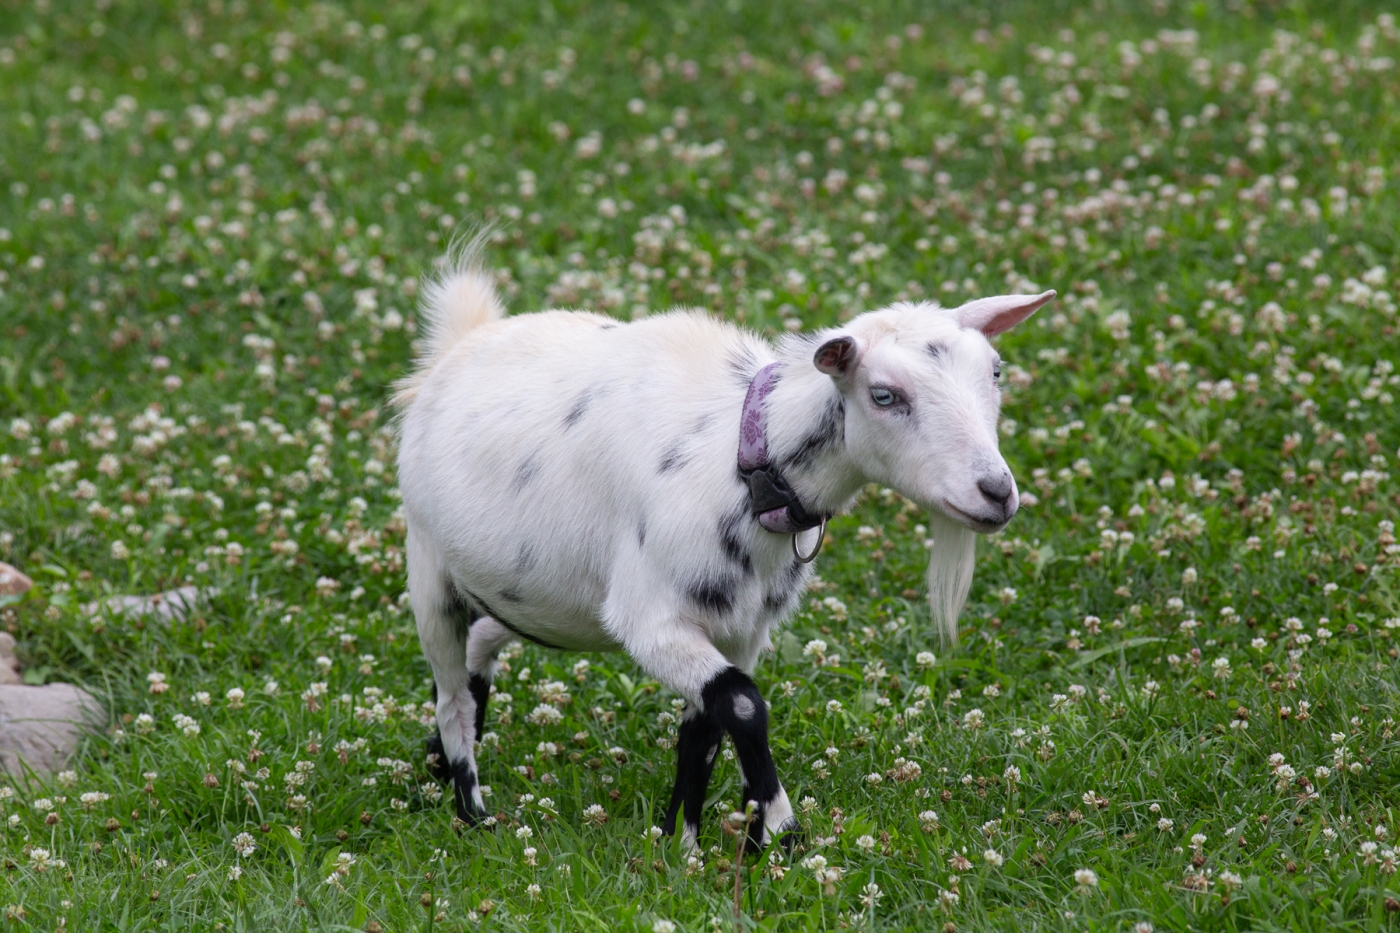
x=456, y=300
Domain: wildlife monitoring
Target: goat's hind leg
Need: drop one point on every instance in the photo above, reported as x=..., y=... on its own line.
x=696, y=749
x=444, y=623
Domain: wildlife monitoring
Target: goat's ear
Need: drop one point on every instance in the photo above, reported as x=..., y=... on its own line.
x=837, y=357
x=993, y=315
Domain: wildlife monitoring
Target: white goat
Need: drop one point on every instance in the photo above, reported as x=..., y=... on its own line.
x=573, y=480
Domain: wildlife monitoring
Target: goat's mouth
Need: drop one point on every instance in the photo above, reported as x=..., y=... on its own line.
x=977, y=523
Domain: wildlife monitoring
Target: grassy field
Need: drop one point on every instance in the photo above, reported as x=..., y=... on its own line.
x=1172, y=704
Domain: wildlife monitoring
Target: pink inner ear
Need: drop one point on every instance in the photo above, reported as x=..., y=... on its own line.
x=1000, y=313
x=836, y=356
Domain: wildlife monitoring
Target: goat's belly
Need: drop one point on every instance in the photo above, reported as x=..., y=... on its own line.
x=557, y=608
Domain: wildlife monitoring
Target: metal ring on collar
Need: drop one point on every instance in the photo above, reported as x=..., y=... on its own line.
x=821, y=537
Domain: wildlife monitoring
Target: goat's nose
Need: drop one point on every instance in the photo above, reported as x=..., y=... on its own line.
x=997, y=489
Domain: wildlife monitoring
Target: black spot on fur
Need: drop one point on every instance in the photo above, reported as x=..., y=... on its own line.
x=673, y=459
x=829, y=431
x=641, y=533
x=480, y=689
x=606, y=326
x=528, y=469
x=461, y=613
x=524, y=558
x=936, y=350
x=510, y=596
x=731, y=541
x=579, y=408
x=701, y=425
x=778, y=599
x=715, y=594
x=742, y=364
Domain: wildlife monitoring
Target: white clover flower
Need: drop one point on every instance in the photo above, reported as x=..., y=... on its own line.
x=545, y=715
x=1086, y=880
x=244, y=844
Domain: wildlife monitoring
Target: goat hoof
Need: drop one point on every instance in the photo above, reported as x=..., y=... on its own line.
x=466, y=819
x=789, y=834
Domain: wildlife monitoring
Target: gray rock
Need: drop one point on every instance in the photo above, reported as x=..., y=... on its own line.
x=12, y=582
x=172, y=605
x=41, y=726
x=9, y=664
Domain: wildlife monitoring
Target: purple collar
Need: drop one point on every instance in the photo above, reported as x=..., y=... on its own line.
x=772, y=500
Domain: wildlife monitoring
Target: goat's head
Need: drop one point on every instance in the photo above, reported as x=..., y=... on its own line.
x=922, y=404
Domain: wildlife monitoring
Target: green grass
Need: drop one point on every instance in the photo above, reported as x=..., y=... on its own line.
x=213, y=219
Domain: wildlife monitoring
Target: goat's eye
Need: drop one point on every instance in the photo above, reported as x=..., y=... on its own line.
x=996, y=373
x=882, y=397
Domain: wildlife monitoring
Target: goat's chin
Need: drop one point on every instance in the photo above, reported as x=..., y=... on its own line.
x=950, y=564
x=980, y=524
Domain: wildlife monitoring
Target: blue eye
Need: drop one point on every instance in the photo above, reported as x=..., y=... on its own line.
x=882, y=397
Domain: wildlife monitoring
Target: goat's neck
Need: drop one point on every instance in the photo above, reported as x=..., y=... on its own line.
x=805, y=406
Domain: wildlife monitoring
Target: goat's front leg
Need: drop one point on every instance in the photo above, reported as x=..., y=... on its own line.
x=680, y=657
x=733, y=699
x=696, y=749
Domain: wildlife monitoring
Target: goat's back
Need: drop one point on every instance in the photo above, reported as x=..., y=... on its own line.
x=542, y=450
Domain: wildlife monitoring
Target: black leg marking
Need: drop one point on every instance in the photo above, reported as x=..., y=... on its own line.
x=436, y=756
x=733, y=699
x=463, y=783
x=480, y=689
x=697, y=746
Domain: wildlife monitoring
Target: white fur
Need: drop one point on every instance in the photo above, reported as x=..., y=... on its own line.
x=532, y=456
